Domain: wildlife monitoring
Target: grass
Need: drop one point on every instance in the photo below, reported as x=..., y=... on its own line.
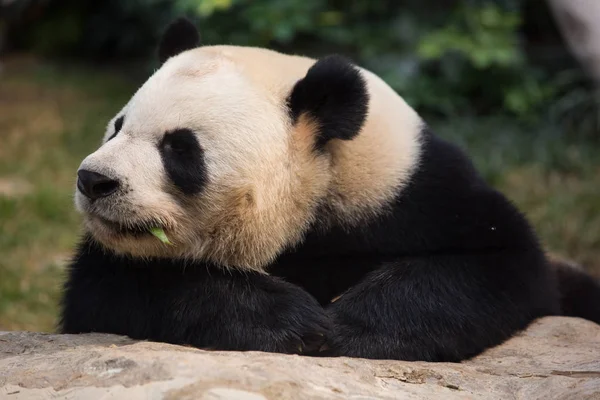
x=51, y=118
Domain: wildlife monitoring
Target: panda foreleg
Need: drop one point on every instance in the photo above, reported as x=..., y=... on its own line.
x=251, y=311
x=440, y=308
x=194, y=305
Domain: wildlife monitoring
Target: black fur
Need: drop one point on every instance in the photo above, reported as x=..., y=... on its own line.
x=180, y=35
x=187, y=303
x=453, y=269
x=579, y=292
x=117, y=126
x=334, y=94
x=183, y=160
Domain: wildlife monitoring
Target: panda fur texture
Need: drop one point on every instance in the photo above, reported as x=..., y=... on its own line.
x=311, y=211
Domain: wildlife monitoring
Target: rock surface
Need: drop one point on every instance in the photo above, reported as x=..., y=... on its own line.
x=556, y=358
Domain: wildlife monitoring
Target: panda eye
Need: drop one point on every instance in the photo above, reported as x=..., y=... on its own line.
x=117, y=125
x=179, y=141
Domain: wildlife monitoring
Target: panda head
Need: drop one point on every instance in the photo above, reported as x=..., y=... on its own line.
x=228, y=149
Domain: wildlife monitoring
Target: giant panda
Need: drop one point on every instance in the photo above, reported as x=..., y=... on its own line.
x=308, y=209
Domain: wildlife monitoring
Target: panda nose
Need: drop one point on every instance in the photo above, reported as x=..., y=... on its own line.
x=94, y=185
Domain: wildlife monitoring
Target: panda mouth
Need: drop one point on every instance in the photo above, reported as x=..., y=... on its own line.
x=129, y=228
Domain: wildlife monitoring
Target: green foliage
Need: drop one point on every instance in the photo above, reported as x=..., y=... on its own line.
x=456, y=57
x=207, y=7
x=486, y=36
x=576, y=104
x=479, y=43
x=526, y=97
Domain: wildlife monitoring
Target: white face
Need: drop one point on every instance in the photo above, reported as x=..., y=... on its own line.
x=206, y=153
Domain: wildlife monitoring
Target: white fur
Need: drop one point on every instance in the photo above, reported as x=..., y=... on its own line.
x=265, y=182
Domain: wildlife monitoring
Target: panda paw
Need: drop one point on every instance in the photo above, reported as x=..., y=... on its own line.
x=260, y=313
x=299, y=325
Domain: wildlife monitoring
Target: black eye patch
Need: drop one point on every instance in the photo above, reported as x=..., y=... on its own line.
x=118, y=125
x=183, y=159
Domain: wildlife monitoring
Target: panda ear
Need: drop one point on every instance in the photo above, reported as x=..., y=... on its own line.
x=180, y=35
x=334, y=95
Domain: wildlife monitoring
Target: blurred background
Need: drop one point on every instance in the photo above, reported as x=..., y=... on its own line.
x=512, y=81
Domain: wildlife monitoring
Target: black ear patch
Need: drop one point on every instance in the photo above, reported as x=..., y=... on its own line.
x=334, y=94
x=180, y=35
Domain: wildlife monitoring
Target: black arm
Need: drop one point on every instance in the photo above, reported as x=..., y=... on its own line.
x=189, y=304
